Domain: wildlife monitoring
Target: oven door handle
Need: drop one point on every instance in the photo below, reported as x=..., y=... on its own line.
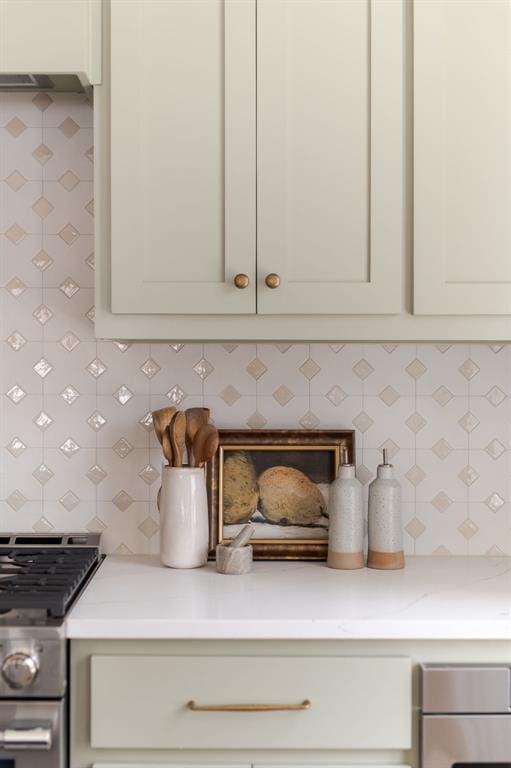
x=38, y=736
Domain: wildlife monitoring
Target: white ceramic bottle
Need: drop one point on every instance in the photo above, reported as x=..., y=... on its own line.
x=183, y=505
x=385, y=523
x=346, y=519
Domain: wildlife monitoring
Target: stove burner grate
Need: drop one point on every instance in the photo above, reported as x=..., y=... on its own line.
x=43, y=579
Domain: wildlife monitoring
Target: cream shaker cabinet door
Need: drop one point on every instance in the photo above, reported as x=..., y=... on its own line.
x=51, y=37
x=182, y=156
x=330, y=156
x=462, y=163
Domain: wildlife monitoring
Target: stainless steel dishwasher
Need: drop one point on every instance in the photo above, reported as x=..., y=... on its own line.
x=466, y=716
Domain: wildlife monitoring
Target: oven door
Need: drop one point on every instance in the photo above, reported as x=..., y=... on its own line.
x=466, y=740
x=32, y=734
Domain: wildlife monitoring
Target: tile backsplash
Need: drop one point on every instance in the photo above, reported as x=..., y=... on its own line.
x=76, y=442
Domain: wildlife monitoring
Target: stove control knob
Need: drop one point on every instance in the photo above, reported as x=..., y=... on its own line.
x=19, y=670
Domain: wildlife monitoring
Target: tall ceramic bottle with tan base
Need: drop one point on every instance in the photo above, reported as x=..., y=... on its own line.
x=385, y=522
x=346, y=519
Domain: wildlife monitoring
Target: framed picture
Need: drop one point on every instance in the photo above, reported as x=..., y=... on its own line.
x=279, y=481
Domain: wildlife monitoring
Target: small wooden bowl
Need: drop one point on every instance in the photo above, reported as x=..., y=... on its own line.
x=233, y=561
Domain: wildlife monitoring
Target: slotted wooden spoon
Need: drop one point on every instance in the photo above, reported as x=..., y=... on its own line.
x=161, y=421
x=195, y=418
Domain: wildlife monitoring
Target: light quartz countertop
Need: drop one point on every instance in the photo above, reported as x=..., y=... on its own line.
x=134, y=597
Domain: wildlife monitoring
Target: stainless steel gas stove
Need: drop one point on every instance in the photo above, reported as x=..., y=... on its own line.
x=40, y=579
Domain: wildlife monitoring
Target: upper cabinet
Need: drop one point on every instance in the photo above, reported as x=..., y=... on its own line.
x=462, y=157
x=51, y=37
x=254, y=155
x=329, y=147
x=304, y=170
x=183, y=194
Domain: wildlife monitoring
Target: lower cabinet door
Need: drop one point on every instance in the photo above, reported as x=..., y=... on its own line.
x=250, y=702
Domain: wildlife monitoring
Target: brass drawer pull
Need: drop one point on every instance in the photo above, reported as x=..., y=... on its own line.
x=249, y=707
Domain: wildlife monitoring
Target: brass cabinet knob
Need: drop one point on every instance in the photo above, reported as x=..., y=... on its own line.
x=272, y=280
x=241, y=280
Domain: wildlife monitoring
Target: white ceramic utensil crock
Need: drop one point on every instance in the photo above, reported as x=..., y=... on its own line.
x=183, y=505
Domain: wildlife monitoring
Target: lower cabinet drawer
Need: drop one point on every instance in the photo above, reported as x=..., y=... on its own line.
x=257, y=702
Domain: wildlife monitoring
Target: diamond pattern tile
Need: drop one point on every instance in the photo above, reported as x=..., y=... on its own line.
x=257, y=421
x=42, y=154
x=96, y=474
x=96, y=421
x=42, y=261
x=51, y=361
x=122, y=501
x=363, y=369
x=495, y=396
x=441, y=501
x=442, y=449
x=69, y=127
x=176, y=395
x=16, y=287
x=283, y=395
x=230, y=395
x=415, y=528
x=42, y=314
x=309, y=369
x=122, y=447
x=15, y=233
x=43, y=420
x=469, y=369
x=336, y=395
x=442, y=395
x=69, y=341
x=468, y=422
x=123, y=395
x=42, y=474
x=69, y=287
x=150, y=368
x=43, y=367
x=495, y=449
x=16, y=341
x=468, y=475
x=389, y=395
x=69, y=394
x=16, y=447
x=16, y=394
x=69, y=501
x=363, y=421
x=309, y=420
x=15, y=127
x=16, y=181
x=416, y=369
x=42, y=207
x=149, y=474
x=256, y=368
x=415, y=422
x=494, y=502
x=96, y=368
x=69, y=447
x=468, y=529
x=148, y=527
x=415, y=475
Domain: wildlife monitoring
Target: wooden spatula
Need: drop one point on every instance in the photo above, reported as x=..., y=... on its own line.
x=161, y=421
x=177, y=430
x=205, y=444
x=195, y=418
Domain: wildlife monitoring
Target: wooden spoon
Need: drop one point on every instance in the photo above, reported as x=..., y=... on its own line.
x=177, y=430
x=161, y=421
x=205, y=444
x=195, y=418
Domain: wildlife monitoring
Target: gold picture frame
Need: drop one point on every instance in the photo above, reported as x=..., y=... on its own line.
x=313, y=453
